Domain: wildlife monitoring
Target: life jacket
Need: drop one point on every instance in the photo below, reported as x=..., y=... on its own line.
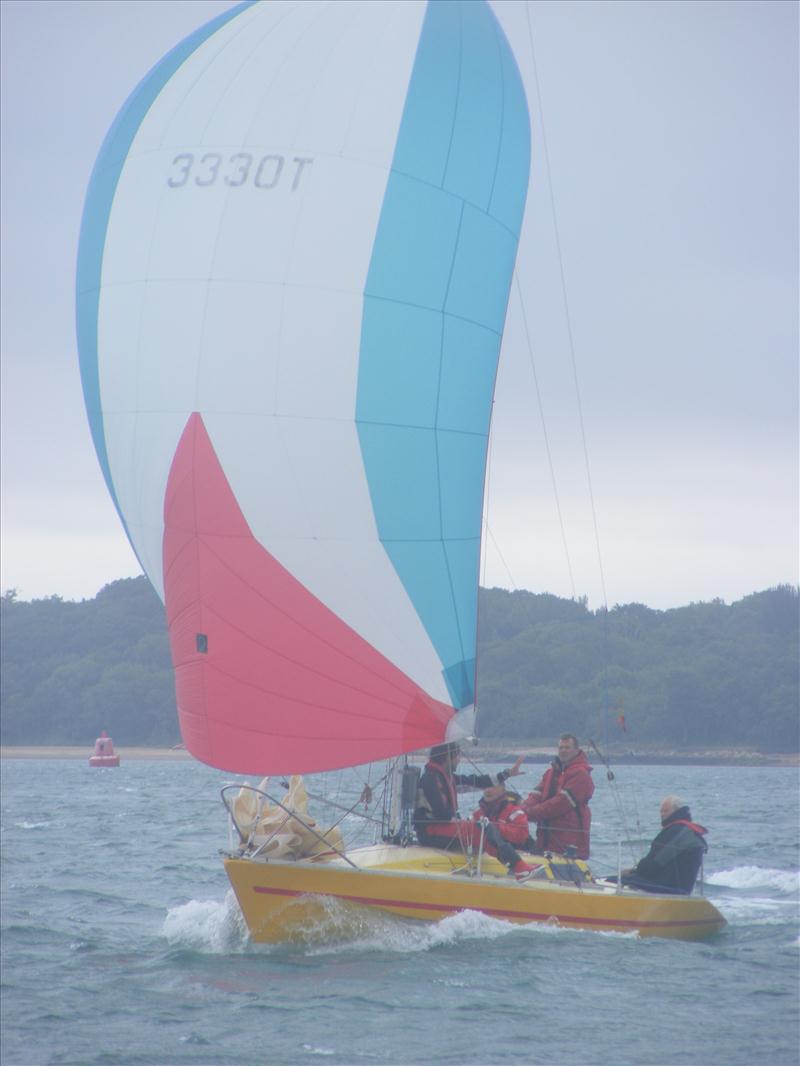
x=510, y=819
x=446, y=788
x=511, y=799
x=571, y=828
x=699, y=829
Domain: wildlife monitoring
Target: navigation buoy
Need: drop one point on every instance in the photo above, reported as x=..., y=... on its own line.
x=104, y=752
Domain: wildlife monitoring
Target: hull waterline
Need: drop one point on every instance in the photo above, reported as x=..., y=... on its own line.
x=284, y=901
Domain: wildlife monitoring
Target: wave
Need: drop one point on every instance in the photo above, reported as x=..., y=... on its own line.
x=758, y=878
x=385, y=932
x=344, y=928
x=207, y=926
x=756, y=895
x=218, y=927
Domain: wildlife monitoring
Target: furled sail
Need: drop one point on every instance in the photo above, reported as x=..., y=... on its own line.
x=295, y=261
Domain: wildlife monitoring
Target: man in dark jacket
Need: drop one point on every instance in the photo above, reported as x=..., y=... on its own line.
x=673, y=861
x=436, y=812
x=560, y=803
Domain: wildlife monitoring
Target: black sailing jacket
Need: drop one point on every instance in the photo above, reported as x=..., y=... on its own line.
x=673, y=861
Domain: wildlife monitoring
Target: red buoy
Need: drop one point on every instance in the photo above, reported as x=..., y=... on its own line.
x=104, y=752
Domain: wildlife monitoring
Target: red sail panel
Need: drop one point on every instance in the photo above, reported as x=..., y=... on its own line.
x=268, y=679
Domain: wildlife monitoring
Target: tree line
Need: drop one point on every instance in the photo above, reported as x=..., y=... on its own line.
x=708, y=674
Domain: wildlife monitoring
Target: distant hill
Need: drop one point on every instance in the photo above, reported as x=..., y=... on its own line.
x=709, y=674
x=70, y=669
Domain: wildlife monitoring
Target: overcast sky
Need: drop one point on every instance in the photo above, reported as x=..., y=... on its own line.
x=669, y=204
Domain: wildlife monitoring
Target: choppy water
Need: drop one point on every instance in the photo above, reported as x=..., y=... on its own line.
x=122, y=943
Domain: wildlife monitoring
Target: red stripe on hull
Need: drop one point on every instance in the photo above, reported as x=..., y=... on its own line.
x=284, y=686
x=492, y=912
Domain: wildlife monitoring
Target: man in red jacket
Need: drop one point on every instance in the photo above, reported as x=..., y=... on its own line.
x=505, y=827
x=560, y=803
x=501, y=807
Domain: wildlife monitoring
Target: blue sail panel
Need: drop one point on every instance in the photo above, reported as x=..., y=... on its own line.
x=445, y=248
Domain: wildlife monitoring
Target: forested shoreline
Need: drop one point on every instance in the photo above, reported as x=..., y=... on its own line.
x=708, y=674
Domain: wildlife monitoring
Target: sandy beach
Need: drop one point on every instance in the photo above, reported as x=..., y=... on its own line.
x=53, y=752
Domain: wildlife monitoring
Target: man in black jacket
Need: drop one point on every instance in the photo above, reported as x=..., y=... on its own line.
x=673, y=861
x=436, y=817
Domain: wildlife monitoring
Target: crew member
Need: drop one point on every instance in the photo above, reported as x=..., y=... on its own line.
x=560, y=803
x=436, y=813
x=507, y=822
x=673, y=861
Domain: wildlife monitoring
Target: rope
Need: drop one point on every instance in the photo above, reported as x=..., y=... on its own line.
x=615, y=795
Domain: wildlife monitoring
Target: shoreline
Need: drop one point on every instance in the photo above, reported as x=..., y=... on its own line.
x=480, y=754
x=57, y=751
x=653, y=757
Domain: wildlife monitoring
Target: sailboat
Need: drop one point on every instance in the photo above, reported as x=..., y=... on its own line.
x=294, y=267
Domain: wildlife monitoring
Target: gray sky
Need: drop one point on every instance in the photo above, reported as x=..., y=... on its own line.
x=672, y=137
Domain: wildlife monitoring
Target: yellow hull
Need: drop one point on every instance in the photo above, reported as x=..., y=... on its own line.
x=283, y=900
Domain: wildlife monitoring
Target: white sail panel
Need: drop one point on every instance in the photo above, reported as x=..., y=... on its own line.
x=275, y=275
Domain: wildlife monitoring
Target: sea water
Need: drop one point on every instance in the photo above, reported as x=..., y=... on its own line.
x=122, y=942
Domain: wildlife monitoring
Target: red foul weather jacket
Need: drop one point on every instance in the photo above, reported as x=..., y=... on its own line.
x=510, y=819
x=560, y=807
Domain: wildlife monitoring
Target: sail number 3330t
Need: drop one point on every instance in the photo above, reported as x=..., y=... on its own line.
x=241, y=168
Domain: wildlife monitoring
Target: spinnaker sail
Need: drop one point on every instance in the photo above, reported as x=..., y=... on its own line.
x=294, y=267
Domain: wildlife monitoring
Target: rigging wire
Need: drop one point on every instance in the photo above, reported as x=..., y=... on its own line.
x=502, y=558
x=579, y=405
x=570, y=339
x=611, y=778
x=488, y=532
x=489, y=535
x=322, y=797
x=546, y=435
x=488, y=491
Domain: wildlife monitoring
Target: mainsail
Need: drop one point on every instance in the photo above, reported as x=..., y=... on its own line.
x=294, y=267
